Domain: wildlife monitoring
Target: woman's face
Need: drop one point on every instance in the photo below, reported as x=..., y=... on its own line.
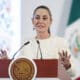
x=41, y=20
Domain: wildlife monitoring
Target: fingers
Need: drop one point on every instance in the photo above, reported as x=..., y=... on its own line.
x=64, y=54
x=3, y=54
x=64, y=57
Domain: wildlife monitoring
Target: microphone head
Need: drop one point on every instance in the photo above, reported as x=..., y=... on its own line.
x=38, y=41
x=26, y=43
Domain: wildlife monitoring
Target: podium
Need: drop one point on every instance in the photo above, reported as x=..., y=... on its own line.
x=49, y=68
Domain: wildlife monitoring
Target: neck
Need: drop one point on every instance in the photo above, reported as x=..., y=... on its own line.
x=43, y=36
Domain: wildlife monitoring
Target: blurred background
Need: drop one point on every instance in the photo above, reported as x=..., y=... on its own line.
x=16, y=24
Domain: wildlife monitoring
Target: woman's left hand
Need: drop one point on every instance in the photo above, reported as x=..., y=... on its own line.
x=3, y=54
x=65, y=59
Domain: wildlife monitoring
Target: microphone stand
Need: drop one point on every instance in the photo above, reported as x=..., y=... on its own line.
x=39, y=49
x=20, y=49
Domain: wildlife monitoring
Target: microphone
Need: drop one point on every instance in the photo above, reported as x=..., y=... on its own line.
x=26, y=43
x=39, y=48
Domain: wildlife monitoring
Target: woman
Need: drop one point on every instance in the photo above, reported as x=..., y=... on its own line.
x=51, y=47
x=44, y=45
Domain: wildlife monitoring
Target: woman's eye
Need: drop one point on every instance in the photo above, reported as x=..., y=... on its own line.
x=37, y=17
x=45, y=18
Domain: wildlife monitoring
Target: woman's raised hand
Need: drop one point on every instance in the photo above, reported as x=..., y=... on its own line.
x=65, y=59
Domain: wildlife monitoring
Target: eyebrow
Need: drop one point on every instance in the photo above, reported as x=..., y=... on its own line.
x=43, y=15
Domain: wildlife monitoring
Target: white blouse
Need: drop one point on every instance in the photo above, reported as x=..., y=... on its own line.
x=49, y=48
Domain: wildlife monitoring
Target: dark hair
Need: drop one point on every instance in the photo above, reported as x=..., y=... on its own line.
x=44, y=7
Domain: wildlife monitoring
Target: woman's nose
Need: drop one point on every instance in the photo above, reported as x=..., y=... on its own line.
x=40, y=20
